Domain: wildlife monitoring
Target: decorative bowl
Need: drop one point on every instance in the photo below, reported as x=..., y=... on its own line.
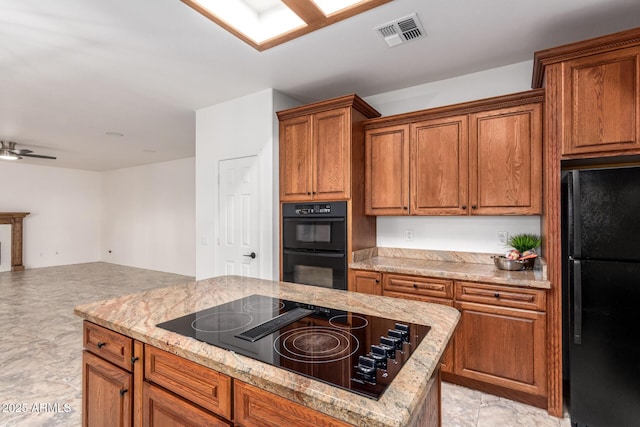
x=508, y=264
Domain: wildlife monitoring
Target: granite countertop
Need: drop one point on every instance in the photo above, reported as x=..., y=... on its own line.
x=475, y=267
x=136, y=316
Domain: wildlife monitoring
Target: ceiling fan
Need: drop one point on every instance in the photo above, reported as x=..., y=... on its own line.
x=8, y=151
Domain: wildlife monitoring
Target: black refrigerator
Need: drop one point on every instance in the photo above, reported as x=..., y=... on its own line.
x=601, y=296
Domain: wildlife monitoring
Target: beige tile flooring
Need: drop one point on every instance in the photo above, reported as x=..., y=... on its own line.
x=40, y=349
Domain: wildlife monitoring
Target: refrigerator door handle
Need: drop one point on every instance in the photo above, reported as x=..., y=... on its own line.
x=577, y=302
x=575, y=231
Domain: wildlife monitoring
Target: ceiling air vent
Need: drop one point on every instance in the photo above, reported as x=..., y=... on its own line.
x=401, y=30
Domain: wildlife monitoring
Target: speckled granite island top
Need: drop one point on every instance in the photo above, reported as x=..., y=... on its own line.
x=475, y=267
x=136, y=316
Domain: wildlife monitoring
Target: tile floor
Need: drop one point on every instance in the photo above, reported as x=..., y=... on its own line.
x=41, y=342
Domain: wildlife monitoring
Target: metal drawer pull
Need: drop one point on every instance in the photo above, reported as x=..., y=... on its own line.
x=101, y=344
x=134, y=359
x=123, y=391
x=497, y=295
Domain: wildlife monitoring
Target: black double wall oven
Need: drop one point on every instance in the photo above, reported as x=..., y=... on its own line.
x=314, y=244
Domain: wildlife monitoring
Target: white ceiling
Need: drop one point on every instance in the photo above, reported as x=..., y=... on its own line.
x=72, y=70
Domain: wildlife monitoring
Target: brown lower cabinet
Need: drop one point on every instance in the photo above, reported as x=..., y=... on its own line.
x=500, y=343
x=367, y=282
x=109, y=370
x=107, y=398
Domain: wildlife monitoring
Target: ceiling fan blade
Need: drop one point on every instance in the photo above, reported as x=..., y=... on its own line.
x=38, y=156
x=21, y=151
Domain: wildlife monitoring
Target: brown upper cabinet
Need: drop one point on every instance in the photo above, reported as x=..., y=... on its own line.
x=597, y=84
x=477, y=158
x=318, y=148
x=387, y=171
x=505, y=161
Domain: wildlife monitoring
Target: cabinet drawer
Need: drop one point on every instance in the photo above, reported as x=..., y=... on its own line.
x=258, y=408
x=109, y=345
x=419, y=286
x=196, y=383
x=529, y=299
x=161, y=408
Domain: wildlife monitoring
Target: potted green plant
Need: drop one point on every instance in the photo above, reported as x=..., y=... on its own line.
x=524, y=242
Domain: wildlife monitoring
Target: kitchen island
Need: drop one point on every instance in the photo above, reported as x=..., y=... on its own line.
x=412, y=398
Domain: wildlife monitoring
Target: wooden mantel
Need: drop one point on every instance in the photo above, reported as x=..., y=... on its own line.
x=15, y=220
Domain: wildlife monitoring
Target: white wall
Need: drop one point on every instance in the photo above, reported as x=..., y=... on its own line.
x=470, y=87
x=5, y=250
x=64, y=224
x=474, y=234
x=149, y=216
x=241, y=127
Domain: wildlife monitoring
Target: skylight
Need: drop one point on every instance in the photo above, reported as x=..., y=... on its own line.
x=332, y=6
x=267, y=23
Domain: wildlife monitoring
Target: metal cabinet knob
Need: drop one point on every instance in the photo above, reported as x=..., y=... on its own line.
x=252, y=255
x=101, y=344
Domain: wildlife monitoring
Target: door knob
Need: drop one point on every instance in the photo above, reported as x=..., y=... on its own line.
x=252, y=255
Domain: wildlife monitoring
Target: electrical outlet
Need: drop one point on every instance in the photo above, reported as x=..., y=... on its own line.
x=503, y=237
x=408, y=235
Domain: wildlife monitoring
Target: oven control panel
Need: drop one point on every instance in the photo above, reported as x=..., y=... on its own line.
x=313, y=209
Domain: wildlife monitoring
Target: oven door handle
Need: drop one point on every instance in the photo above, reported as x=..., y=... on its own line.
x=320, y=254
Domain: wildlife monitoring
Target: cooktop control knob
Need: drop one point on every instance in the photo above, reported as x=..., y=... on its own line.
x=394, y=342
x=379, y=354
x=405, y=331
x=389, y=344
x=366, y=369
x=394, y=333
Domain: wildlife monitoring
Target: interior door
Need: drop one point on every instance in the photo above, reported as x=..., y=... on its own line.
x=239, y=231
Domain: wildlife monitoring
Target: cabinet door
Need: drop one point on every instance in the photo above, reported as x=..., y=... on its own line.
x=601, y=103
x=439, y=167
x=162, y=409
x=502, y=346
x=505, y=161
x=368, y=282
x=295, y=159
x=331, y=154
x=387, y=171
x=107, y=394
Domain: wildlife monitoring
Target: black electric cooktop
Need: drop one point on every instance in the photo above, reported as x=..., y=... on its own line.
x=357, y=352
